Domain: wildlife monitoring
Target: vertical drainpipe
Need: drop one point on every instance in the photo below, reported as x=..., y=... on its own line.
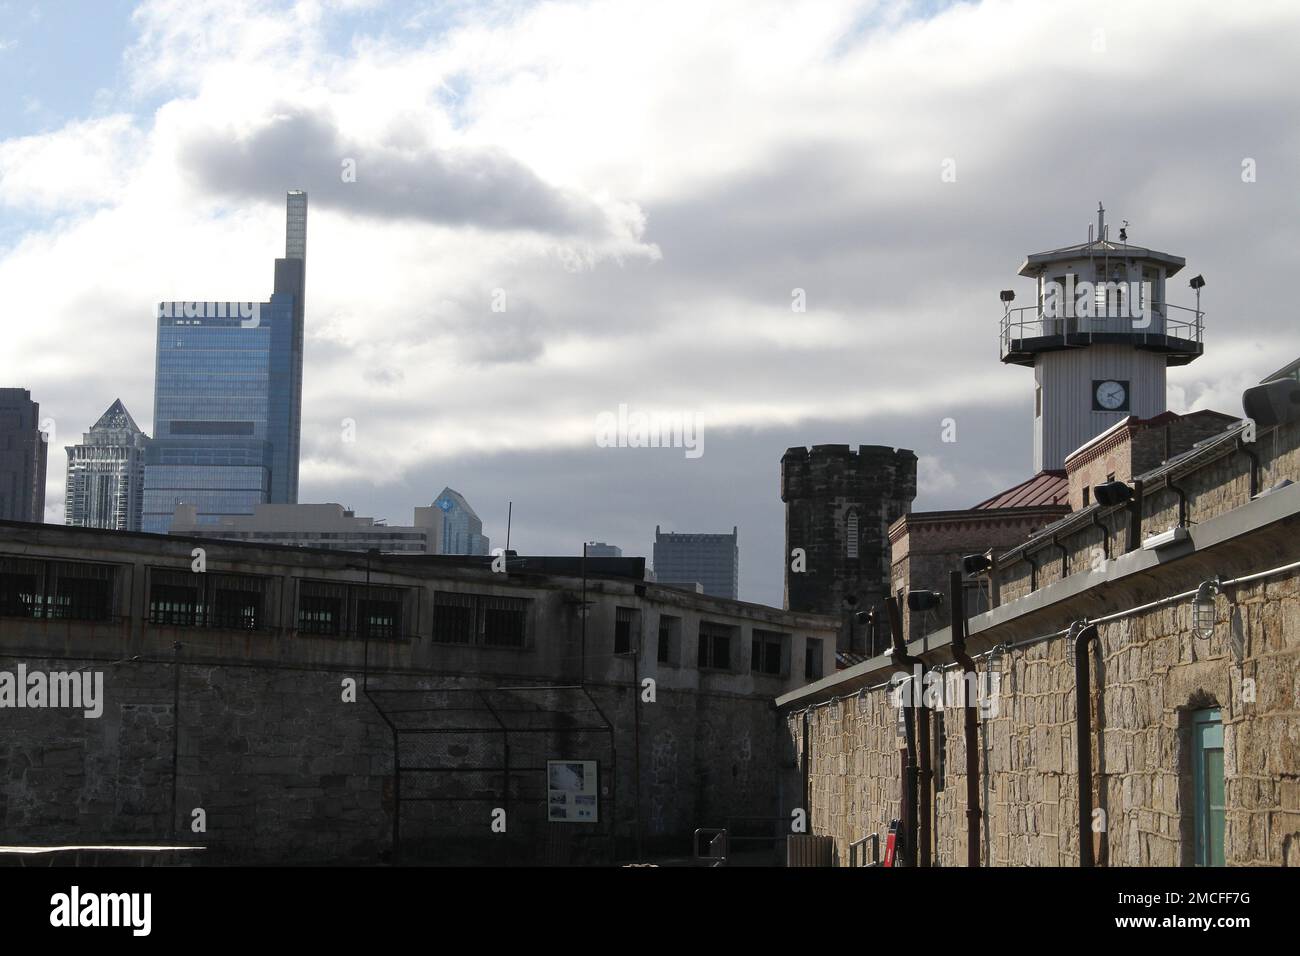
x=1254, y=465
x=925, y=789
x=807, y=802
x=176, y=725
x=901, y=659
x=1134, y=540
x=1182, y=501
x=636, y=736
x=1083, y=738
x=995, y=580
x=971, y=717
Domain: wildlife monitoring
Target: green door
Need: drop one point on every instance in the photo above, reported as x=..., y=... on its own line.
x=1207, y=778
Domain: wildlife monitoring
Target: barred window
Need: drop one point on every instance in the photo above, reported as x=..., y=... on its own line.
x=225, y=601
x=504, y=621
x=453, y=618
x=715, y=645
x=61, y=590
x=379, y=613
x=79, y=592
x=174, y=599
x=320, y=614
x=627, y=629
x=480, y=619
x=851, y=534
x=342, y=609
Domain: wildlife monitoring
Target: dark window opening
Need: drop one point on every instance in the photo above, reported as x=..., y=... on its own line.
x=331, y=609
x=320, y=615
x=670, y=633
x=627, y=622
x=379, y=618
x=56, y=590
x=812, y=659
x=767, y=652
x=226, y=601
x=453, y=618
x=480, y=619
x=505, y=621
x=715, y=645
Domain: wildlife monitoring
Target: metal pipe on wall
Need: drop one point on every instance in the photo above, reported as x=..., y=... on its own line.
x=1084, y=639
x=902, y=659
x=970, y=716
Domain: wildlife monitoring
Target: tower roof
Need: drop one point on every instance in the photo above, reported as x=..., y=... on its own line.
x=116, y=417
x=450, y=498
x=1036, y=263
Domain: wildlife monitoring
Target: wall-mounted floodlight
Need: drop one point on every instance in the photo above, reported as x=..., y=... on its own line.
x=921, y=600
x=1165, y=539
x=976, y=563
x=1112, y=493
x=1007, y=295
x=1273, y=403
x=1204, y=614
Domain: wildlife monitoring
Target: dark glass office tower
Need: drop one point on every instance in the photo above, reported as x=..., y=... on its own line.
x=23, y=456
x=228, y=397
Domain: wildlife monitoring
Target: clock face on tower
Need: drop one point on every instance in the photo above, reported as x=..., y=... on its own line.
x=1109, y=396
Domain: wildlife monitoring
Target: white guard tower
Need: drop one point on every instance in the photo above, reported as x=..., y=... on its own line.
x=1099, y=337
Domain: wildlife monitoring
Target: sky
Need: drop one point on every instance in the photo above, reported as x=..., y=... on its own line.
x=526, y=215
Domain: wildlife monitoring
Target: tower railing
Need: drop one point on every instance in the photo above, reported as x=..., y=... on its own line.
x=1020, y=327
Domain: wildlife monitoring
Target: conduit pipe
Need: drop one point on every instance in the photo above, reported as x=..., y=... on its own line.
x=902, y=660
x=1085, y=636
x=971, y=717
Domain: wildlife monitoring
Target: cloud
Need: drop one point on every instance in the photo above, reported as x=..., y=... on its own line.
x=83, y=163
x=467, y=186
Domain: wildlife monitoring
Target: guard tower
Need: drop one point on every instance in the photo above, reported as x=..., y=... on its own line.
x=1099, y=337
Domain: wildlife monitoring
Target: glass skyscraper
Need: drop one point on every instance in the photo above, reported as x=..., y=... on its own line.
x=462, y=530
x=23, y=455
x=105, y=487
x=710, y=560
x=228, y=397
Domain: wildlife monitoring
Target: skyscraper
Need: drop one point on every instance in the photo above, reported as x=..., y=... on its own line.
x=710, y=560
x=228, y=397
x=23, y=454
x=105, y=486
x=462, y=531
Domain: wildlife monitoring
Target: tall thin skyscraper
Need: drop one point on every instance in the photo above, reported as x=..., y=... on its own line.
x=23, y=455
x=105, y=486
x=228, y=397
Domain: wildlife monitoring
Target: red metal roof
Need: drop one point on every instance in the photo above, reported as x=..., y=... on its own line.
x=1045, y=488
